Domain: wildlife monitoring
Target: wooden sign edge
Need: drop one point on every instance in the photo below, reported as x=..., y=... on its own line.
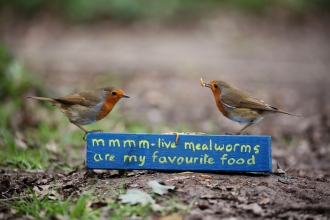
x=269, y=143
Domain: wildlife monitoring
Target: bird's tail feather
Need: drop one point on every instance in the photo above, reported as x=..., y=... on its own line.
x=42, y=98
x=288, y=113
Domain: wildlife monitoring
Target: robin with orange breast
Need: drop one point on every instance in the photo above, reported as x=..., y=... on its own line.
x=240, y=106
x=87, y=107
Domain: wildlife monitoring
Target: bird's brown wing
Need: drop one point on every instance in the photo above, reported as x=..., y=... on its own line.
x=79, y=99
x=241, y=99
x=255, y=104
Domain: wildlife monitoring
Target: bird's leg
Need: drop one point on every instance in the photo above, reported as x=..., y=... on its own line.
x=247, y=125
x=86, y=132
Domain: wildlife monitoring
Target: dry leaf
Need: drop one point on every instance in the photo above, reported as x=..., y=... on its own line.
x=52, y=146
x=41, y=191
x=134, y=196
x=159, y=188
x=254, y=207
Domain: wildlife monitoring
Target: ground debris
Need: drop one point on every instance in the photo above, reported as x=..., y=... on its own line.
x=205, y=176
x=223, y=196
x=92, y=205
x=170, y=217
x=254, y=207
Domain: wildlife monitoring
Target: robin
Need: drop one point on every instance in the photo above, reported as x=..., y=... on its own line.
x=240, y=106
x=87, y=107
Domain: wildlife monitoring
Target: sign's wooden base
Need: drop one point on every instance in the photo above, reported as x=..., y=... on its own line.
x=239, y=153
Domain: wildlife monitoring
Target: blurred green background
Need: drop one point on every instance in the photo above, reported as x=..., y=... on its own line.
x=168, y=11
x=156, y=11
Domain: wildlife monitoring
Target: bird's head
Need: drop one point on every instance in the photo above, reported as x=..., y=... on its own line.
x=217, y=86
x=113, y=93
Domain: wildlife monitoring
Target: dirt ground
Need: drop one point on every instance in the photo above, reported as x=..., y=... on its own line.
x=215, y=195
x=160, y=68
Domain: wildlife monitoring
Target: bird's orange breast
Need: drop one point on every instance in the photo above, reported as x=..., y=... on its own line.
x=216, y=94
x=109, y=103
x=103, y=112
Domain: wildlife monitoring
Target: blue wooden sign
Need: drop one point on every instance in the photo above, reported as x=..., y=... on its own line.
x=240, y=153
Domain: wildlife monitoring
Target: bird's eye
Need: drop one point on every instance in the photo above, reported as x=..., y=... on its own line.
x=216, y=86
x=114, y=93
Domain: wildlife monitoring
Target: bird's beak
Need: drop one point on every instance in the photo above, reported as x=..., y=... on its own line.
x=207, y=85
x=125, y=96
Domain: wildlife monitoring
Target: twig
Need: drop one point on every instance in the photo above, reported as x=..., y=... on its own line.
x=282, y=181
x=14, y=198
x=318, y=208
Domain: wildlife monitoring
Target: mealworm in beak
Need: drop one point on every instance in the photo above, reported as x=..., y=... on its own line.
x=202, y=83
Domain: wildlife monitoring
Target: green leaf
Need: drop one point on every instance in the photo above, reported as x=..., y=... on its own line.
x=159, y=188
x=134, y=196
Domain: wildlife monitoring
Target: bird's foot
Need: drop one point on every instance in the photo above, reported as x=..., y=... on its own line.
x=86, y=132
x=84, y=138
x=279, y=170
x=230, y=134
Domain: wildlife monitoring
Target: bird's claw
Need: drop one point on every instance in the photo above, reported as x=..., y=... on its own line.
x=279, y=170
x=84, y=138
